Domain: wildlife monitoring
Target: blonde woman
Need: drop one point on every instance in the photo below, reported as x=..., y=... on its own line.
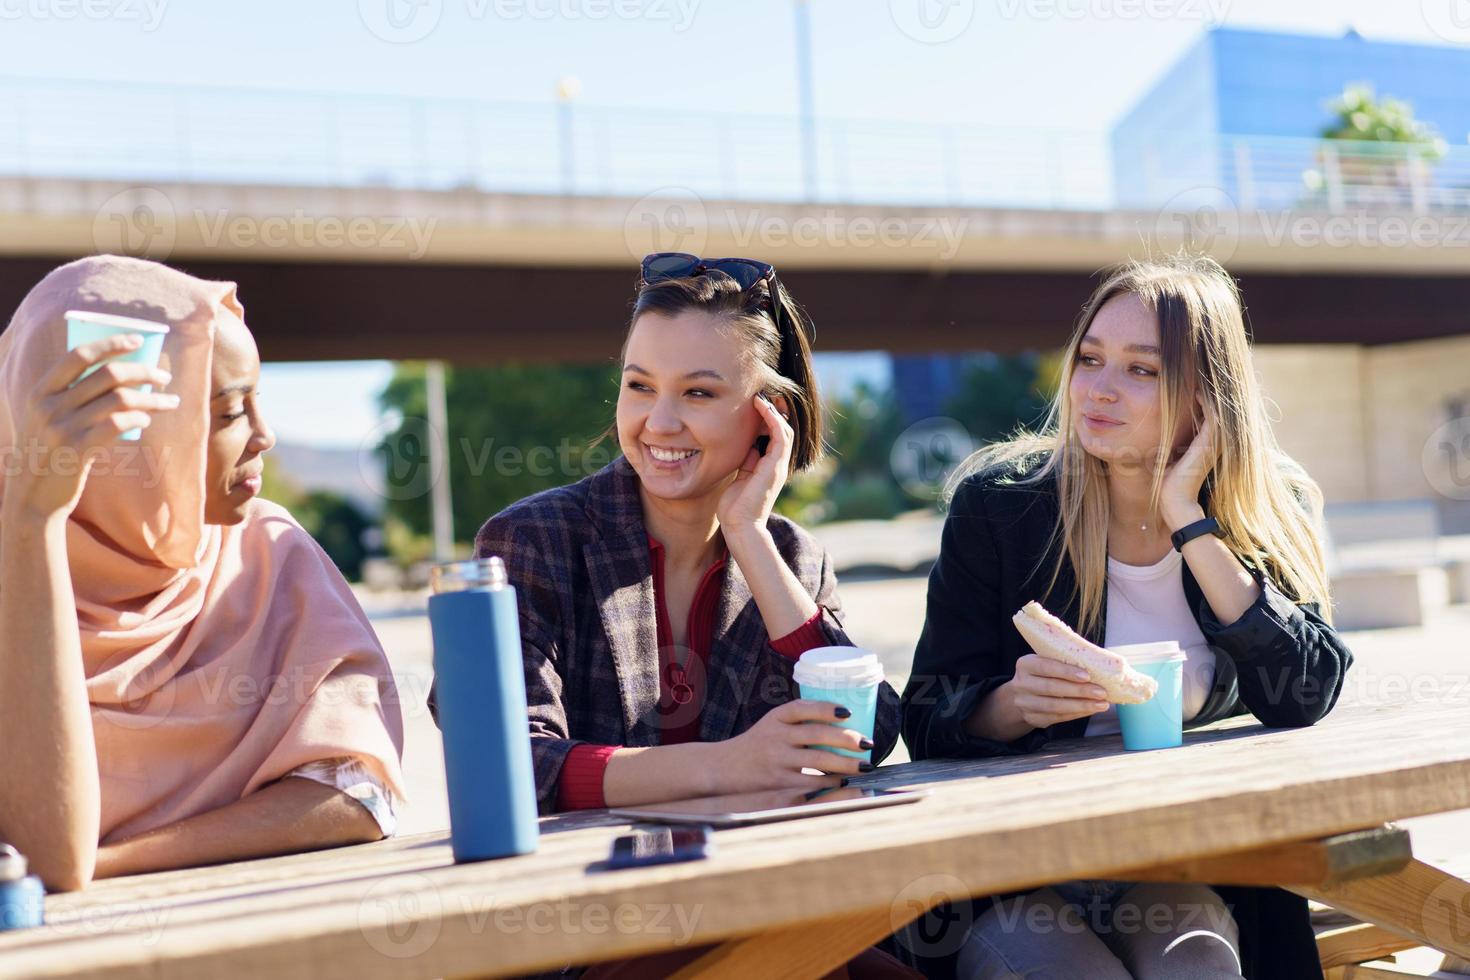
x=1154, y=504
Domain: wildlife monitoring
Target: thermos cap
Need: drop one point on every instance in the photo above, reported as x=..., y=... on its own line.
x=461, y=576
x=12, y=864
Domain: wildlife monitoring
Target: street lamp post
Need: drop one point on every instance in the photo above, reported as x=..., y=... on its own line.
x=805, y=99
x=440, y=505
x=567, y=90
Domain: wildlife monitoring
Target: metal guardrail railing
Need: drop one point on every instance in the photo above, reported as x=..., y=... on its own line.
x=143, y=133
x=1272, y=173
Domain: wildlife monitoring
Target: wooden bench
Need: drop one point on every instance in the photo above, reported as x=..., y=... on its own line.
x=1352, y=948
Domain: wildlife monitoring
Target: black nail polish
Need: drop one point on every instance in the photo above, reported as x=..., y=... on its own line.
x=842, y=712
x=865, y=767
x=843, y=783
x=865, y=744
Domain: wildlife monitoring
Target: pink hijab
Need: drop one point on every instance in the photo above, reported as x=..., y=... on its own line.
x=217, y=659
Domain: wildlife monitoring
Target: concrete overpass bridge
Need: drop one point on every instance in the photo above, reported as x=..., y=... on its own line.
x=364, y=227
x=380, y=227
x=469, y=275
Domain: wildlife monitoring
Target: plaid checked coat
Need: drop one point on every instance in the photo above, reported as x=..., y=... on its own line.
x=578, y=559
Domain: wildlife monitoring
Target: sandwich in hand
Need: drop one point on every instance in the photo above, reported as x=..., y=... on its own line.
x=1055, y=640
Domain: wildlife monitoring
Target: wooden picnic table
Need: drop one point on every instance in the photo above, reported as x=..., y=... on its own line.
x=1237, y=804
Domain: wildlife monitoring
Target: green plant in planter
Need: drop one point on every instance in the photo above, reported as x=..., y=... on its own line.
x=1376, y=147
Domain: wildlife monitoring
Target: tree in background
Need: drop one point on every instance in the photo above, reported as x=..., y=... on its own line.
x=1000, y=392
x=859, y=484
x=276, y=487
x=337, y=524
x=859, y=480
x=514, y=430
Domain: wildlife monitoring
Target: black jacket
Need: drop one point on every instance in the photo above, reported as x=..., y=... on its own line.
x=1279, y=661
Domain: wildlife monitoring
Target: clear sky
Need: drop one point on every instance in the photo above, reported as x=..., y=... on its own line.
x=1054, y=64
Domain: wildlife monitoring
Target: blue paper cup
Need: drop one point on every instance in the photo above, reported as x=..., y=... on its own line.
x=846, y=676
x=1158, y=723
x=83, y=327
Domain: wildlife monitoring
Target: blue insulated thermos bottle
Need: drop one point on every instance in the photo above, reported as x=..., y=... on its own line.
x=481, y=694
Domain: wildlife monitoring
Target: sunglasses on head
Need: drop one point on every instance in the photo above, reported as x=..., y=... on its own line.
x=658, y=266
x=681, y=265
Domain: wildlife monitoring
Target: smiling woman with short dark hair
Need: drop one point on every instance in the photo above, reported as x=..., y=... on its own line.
x=663, y=605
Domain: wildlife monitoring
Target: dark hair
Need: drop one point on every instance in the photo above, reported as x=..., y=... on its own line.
x=775, y=332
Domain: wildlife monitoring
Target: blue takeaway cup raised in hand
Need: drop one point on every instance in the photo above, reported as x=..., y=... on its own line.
x=83, y=327
x=1157, y=723
x=846, y=676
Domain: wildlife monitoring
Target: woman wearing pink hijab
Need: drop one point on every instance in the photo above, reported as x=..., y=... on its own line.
x=172, y=647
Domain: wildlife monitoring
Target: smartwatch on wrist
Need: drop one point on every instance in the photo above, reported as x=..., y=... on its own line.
x=1189, y=532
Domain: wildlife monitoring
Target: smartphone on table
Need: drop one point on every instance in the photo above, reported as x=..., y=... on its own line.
x=659, y=845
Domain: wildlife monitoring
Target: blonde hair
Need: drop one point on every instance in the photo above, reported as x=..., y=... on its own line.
x=1268, y=507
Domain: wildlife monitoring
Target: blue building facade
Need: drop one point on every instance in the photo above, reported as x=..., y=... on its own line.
x=1209, y=120
x=923, y=384
x=1234, y=123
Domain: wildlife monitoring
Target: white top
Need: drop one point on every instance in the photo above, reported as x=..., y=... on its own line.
x=1147, y=604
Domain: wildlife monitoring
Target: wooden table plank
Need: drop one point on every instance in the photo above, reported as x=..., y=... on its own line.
x=1366, y=972
x=1358, y=944
x=1420, y=902
x=1318, y=863
x=1084, y=809
x=804, y=952
x=1404, y=966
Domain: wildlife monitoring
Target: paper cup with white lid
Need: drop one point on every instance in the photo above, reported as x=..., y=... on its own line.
x=1157, y=723
x=846, y=676
x=84, y=327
